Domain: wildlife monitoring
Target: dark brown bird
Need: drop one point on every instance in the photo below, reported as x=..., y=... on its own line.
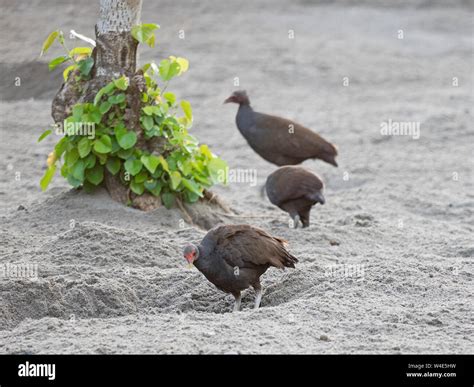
x=278, y=140
x=295, y=190
x=233, y=257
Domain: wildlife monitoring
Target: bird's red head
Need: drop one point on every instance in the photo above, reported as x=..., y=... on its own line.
x=191, y=253
x=239, y=97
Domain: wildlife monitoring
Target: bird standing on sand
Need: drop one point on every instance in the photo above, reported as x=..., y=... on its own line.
x=278, y=140
x=233, y=257
x=295, y=190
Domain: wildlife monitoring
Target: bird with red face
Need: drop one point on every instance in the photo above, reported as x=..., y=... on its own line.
x=278, y=140
x=233, y=257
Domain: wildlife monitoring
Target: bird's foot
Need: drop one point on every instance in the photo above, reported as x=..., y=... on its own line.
x=237, y=303
x=258, y=298
x=294, y=222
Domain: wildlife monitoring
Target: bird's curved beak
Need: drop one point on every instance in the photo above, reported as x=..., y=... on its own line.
x=190, y=259
x=230, y=99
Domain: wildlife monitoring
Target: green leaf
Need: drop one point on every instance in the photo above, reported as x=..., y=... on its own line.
x=45, y=134
x=149, y=110
x=102, y=158
x=57, y=61
x=80, y=51
x=122, y=83
x=158, y=173
x=168, y=199
x=105, y=90
x=142, y=176
x=183, y=64
x=105, y=107
x=116, y=99
x=164, y=163
x=144, y=33
x=170, y=97
x=71, y=157
x=133, y=166
x=150, y=68
x=175, y=178
x=85, y=66
x=103, y=144
x=188, y=112
x=150, y=162
x=125, y=138
x=77, y=170
x=90, y=161
x=84, y=147
x=95, y=116
x=60, y=147
x=137, y=188
x=113, y=165
x=125, y=153
x=95, y=175
x=115, y=145
x=204, y=149
x=78, y=111
x=154, y=187
x=168, y=69
x=203, y=180
x=185, y=167
x=119, y=98
x=49, y=41
x=147, y=122
x=64, y=171
x=74, y=182
x=67, y=70
x=46, y=179
x=172, y=163
x=218, y=170
x=191, y=197
x=193, y=187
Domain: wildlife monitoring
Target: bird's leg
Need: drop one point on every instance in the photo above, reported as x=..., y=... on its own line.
x=238, y=297
x=305, y=219
x=258, y=296
x=296, y=221
x=263, y=191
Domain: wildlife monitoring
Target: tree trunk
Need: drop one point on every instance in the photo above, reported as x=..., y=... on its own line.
x=115, y=55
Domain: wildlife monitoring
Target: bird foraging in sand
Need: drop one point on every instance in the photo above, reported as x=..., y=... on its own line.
x=295, y=190
x=278, y=140
x=233, y=257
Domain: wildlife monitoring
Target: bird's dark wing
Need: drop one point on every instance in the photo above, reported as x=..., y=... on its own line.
x=292, y=139
x=249, y=247
x=289, y=183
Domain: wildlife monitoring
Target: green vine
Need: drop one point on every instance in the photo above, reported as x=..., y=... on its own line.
x=96, y=138
x=78, y=58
